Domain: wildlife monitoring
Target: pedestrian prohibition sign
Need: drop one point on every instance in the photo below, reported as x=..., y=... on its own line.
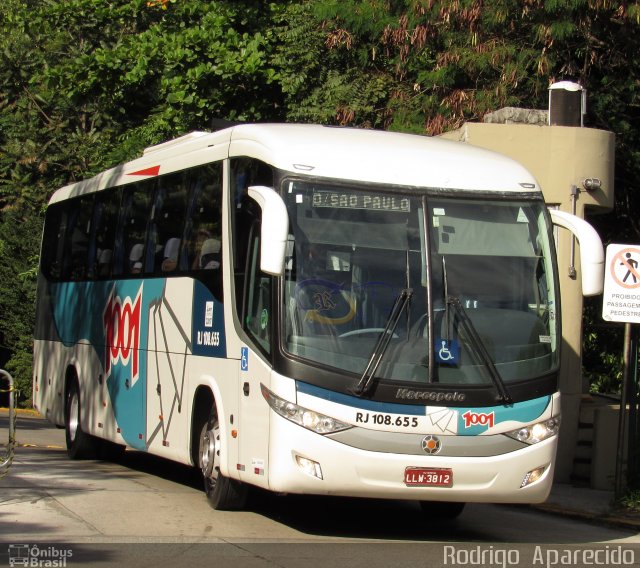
x=621, y=299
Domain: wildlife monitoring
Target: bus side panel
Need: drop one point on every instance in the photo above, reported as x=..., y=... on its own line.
x=253, y=432
x=103, y=328
x=58, y=349
x=53, y=361
x=137, y=390
x=168, y=360
x=57, y=352
x=96, y=413
x=48, y=379
x=186, y=349
x=48, y=359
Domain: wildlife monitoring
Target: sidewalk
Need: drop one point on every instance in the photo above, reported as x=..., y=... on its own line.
x=590, y=505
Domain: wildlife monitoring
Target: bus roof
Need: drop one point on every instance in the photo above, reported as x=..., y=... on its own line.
x=370, y=156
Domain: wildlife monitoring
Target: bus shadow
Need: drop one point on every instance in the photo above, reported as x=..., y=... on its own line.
x=324, y=516
x=382, y=519
x=162, y=468
x=404, y=520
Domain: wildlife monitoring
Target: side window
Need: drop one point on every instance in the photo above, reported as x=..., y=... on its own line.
x=257, y=319
x=202, y=243
x=167, y=224
x=76, y=263
x=103, y=233
x=53, y=240
x=132, y=230
x=245, y=172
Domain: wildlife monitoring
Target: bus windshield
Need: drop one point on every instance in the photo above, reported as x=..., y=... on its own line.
x=475, y=277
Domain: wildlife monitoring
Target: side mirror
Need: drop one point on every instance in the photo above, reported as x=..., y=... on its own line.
x=591, y=250
x=275, y=228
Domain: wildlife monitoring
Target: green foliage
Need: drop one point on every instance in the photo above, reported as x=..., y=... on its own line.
x=20, y=366
x=201, y=61
x=83, y=79
x=445, y=62
x=19, y=238
x=602, y=359
x=631, y=501
x=86, y=84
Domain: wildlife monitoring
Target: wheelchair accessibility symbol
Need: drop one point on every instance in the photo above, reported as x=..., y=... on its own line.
x=447, y=351
x=244, y=358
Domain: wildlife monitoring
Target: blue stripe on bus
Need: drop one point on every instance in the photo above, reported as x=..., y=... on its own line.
x=355, y=402
x=523, y=412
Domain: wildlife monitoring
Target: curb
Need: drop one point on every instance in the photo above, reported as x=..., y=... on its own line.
x=30, y=412
x=608, y=519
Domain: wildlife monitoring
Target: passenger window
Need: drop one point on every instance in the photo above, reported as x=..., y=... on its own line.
x=103, y=233
x=167, y=223
x=76, y=265
x=130, y=259
x=201, y=250
x=53, y=241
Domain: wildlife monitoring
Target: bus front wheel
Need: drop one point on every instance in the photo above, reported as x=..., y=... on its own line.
x=223, y=494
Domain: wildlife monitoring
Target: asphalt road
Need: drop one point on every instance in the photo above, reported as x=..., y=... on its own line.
x=144, y=511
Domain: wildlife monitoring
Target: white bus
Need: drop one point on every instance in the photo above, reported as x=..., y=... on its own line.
x=309, y=309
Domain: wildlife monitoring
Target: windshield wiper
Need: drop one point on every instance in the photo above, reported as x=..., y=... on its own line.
x=480, y=349
x=366, y=382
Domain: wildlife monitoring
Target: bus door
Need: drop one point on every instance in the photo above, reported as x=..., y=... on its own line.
x=255, y=369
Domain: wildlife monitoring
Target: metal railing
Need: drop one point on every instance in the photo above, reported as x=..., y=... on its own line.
x=7, y=459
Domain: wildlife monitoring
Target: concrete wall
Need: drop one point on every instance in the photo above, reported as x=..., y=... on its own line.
x=559, y=157
x=605, y=435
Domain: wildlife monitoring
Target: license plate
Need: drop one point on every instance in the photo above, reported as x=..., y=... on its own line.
x=428, y=477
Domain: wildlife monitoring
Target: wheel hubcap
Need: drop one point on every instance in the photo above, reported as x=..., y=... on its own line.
x=74, y=408
x=210, y=454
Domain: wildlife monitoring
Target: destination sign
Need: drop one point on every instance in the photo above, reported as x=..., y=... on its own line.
x=376, y=202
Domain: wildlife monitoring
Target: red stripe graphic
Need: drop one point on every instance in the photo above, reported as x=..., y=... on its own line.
x=154, y=171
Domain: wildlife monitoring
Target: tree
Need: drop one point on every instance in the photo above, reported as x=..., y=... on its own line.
x=85, y=85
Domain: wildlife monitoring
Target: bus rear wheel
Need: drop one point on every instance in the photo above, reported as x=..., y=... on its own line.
x=80, y=445
x=223, y=494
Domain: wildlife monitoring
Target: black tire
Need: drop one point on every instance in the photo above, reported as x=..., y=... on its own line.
x=80, y=445
x=223, y=494
x=110, y=451
x=441, y=510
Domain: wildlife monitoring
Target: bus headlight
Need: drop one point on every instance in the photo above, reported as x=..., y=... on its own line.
x=314, y=421
x=538, y=432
